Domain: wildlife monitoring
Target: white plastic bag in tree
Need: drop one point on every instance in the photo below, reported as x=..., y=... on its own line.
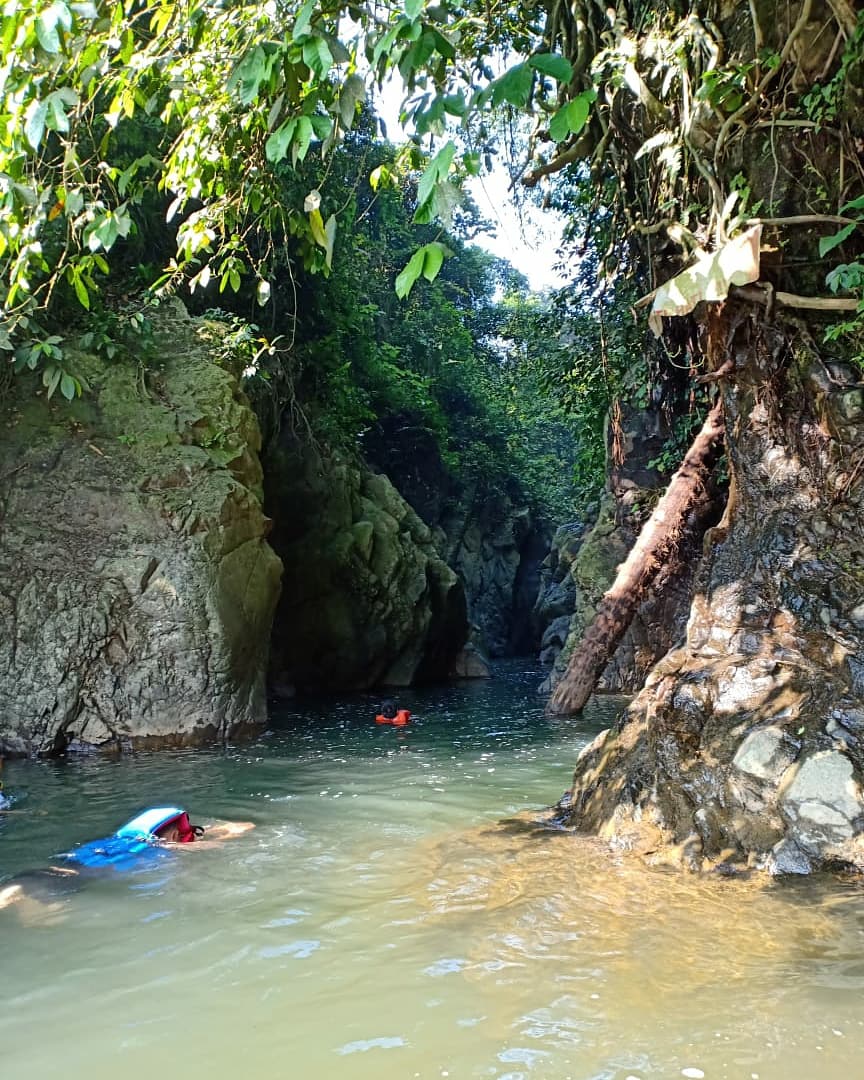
x=709, y=278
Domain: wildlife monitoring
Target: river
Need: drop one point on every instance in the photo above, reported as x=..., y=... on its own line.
x=386, y=921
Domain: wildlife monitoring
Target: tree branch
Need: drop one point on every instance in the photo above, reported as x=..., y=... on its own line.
x=762, y=294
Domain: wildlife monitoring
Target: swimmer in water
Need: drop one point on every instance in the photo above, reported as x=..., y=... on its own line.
x=131, y=847
x=389, y=714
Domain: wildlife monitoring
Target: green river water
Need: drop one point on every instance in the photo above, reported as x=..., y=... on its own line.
x=382, y=923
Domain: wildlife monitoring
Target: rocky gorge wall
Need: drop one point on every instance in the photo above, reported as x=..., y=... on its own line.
x=492, y=539
x=137, y=586
x=496, y=545
x=367, y=600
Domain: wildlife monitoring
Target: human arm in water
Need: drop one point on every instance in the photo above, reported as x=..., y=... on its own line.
x=212, y=836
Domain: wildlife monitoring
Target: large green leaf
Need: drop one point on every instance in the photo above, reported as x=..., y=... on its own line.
x=276, y=147
x=433, y=259
x=554, y=65
x=828, y=243
x=409, y=275
x=34, y=122
x=305, y=131
x=571, y=118
x=317, y=56
x=435, y=172
x=514, y=86
x=351, y=95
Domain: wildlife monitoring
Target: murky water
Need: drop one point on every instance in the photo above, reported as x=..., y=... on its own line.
x=381, y=923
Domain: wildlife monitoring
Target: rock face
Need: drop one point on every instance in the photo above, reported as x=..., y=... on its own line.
x=583, y=561
x=496, y=546
x=490, y=538
x=367, y=599
x=136, y=586
x=747, y=742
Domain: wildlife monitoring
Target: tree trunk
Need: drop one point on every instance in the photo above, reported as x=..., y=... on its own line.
x=661, y=533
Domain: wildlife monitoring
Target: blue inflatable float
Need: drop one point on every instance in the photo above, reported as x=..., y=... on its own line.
x=136, y=842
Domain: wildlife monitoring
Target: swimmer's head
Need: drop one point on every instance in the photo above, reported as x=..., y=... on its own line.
x=179, y=830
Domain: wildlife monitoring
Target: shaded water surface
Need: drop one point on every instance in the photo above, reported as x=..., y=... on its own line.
x=381, y=921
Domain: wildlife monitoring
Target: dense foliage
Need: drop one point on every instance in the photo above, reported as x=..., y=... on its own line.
x=453, y=372
x=663, y=120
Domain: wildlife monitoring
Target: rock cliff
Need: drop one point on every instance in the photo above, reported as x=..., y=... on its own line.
x=492, y=539
x=136, y=584
x=367, y=599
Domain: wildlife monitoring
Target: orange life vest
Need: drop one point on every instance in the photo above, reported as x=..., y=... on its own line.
x=399, y=720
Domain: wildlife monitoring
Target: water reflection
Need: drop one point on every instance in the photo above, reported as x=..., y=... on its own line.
x=382, y=922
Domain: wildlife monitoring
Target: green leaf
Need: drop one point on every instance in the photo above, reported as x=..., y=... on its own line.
x=337, y=50
x=828, y=243
x=317, y=56
x=56, y=118
x=316, y=224
x=51, y=377
x=559, y=125
x=514, y=86
x=384, y=43
x=321, y=125
x=304, y=19
x=252, y=70
x=413, y=8
x=409, y=275
x=436, y=170
x=431, y=119
x=34, y=122
x=855, y=204
x=455, y=104
x=352, y=93
x=277, y=144
x=554, y=65
x=47, y=23
x=433, y=260
x=444, y=46
x=417, y=56
x=571, y=118
x=68, y=386
x=81, y=292
x=305, y=131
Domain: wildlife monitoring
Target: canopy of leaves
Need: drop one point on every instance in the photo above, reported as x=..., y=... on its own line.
x=667, y=113
x=440, y=380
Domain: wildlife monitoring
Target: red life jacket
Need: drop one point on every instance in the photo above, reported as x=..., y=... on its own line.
x=399, y=720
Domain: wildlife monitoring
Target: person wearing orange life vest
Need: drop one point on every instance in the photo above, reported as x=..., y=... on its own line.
x=389, y=714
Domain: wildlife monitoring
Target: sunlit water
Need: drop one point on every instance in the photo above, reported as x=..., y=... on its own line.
x=381, y=921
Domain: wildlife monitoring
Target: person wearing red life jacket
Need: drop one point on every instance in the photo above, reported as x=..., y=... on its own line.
x=389, y=714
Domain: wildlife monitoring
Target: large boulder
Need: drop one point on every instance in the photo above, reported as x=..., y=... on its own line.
x=367, y=599
x=136, y=584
